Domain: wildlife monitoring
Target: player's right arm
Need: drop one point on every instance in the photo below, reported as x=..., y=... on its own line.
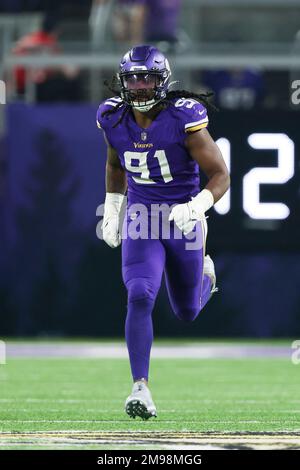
x=115, y=179
x=116, y=185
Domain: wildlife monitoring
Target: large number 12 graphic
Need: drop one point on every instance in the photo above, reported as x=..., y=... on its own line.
x=143, y=169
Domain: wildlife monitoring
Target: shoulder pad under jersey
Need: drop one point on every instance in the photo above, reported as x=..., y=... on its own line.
x=192, y=114
x=104, y=121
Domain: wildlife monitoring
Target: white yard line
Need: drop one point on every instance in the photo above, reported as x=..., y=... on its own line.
x=117, y=410
x=161, y=400
x=149, y=435
x=235, y=421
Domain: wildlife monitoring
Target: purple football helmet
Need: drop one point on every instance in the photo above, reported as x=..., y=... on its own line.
x=144, y=75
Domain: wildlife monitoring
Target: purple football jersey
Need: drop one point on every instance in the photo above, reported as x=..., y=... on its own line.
x=158, y=166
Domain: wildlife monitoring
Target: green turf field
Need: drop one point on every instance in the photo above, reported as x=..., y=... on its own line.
x=71, y=403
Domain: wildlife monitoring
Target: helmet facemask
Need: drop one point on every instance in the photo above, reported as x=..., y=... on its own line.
x=143, y=89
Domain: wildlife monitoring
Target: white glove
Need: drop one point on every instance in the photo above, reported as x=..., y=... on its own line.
x=111, y=219
x=186, y=215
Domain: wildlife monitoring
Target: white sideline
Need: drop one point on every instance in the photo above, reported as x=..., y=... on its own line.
x=119, y=350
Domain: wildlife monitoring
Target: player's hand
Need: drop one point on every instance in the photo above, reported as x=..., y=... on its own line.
x=182, y=216
x=111, y=227
x=186, y=215
x=111, y=234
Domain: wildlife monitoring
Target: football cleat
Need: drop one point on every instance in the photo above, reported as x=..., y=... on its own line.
x=209, y=270
x=140, y=402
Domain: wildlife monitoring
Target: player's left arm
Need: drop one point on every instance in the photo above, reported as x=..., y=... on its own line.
x=207, y=154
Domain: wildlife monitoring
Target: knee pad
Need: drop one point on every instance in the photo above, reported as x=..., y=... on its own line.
x=187, y=314
x=140, y=289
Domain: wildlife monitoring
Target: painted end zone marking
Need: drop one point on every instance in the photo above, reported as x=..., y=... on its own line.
x=170, y=440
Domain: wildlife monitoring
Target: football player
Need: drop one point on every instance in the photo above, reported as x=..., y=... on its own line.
x=156, y=141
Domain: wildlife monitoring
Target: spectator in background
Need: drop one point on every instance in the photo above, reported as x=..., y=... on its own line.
x=236, y=88
x=125, y=18
x=129, y=20
x=162, y=21
x=138, y=21
x=52, y=84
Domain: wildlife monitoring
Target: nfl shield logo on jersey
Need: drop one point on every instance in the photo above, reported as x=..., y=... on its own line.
x=144, y=136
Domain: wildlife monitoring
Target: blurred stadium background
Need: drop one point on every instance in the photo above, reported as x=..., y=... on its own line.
x=57, y=280
x=56, y=277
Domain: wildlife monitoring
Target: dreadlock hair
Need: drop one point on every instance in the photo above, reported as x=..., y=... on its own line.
x=167, y=101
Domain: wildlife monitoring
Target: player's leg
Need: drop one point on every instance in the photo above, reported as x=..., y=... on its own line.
x=142, y=267
x=190, y=275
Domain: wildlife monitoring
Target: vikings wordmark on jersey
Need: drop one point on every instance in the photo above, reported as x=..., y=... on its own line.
x=157, y=164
